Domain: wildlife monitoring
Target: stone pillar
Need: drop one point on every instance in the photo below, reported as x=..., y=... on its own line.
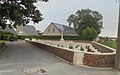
x=117, y=57
x=62, y=30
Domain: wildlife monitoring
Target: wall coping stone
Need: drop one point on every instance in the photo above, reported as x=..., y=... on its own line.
x=113, y=53
x=105, y=46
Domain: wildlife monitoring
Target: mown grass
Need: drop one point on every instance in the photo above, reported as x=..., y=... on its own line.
x=111, y=44
x=2, y=41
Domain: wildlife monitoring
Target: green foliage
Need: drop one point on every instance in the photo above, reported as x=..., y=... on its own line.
x=81, y=49
x=76, y=46
x=58, y=45
x=40, y=37
x=54, y=37
x=89, y=33
x=4, y=35
x=85, y=18
x=62, y=46
x=19, y=12
x=111, y=44
x=30, y=38
x=12, y=38
x=70, y=47
x=2, y=44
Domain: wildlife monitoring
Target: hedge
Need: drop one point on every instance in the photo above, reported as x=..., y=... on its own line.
x=2, y=44
x=4, y=35
x=40, y=37
x=55, y=37
x=8, y=37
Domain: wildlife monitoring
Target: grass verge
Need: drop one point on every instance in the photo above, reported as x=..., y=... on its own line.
x=111, y=44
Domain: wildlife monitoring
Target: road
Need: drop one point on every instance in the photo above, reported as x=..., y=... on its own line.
x=21, y=58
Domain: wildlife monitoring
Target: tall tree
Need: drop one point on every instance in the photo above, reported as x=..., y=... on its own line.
x=86, y=18
x=19, y=12
x=89, y=33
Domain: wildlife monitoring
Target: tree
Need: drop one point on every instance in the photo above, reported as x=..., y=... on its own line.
x=86, y=18
x=19, y=12
x=89, y=33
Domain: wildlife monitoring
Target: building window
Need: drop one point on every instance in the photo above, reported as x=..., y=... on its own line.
x=48, y=30
x=53, y=30
x=20, y=32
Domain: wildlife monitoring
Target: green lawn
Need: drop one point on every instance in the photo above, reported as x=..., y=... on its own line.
x=2, y=41
x=111, y=44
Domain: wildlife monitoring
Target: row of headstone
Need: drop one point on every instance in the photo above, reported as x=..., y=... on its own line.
x=87, y=47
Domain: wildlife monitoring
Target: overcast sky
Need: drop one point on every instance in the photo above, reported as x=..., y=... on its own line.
x=58, y=11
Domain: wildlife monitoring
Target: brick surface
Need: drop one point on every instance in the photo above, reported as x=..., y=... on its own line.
x=98, y=60
x=64, y=54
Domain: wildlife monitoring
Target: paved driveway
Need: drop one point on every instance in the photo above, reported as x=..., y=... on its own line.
x=21, y=58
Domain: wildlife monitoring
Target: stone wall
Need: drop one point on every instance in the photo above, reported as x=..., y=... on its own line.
x=99, y=60
x=64, y=54
x=78, y=58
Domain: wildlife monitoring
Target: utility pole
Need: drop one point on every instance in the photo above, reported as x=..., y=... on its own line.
x=117, y=56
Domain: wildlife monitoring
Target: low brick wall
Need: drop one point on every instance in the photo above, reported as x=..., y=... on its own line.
x=102, y=48
x=99, y=60
x=79, y=58
x=64, y=54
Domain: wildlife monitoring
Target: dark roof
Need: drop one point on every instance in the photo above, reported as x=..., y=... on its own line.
x=67, y=29
x=11, y=30
x=59, y=26
x=29, y=30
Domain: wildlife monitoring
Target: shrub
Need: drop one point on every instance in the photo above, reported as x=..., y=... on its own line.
x=81, y=49
x=53, y=37
x=58, y=45
x=30, y=38
x=2, y=44
x=62, y=46
x=4, y=35
x=89, y=33
x=70, y=47
x=76, y=46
